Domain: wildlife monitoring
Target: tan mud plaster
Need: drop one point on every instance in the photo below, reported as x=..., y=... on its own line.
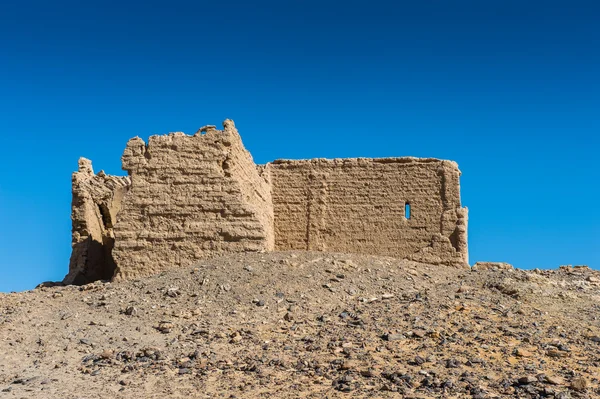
x=191, y=197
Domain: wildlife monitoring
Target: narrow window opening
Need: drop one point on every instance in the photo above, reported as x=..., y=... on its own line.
x=407, y=210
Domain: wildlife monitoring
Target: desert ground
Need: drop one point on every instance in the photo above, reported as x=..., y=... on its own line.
x=307, y=325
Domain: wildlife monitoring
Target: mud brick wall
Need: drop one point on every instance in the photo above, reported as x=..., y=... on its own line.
x=190, y=197
x=358, y=205
x=94, y=207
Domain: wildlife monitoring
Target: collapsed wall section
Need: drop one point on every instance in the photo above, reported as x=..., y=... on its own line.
x=190, y=197
x=94, y=207
x=360, y=205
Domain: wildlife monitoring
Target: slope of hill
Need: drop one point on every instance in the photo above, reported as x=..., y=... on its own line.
x=298, y=324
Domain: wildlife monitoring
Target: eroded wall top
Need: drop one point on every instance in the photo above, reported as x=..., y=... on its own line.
x=95, y=205
x=190, y=197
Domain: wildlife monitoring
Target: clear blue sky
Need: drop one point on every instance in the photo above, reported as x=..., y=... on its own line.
x=508, y=89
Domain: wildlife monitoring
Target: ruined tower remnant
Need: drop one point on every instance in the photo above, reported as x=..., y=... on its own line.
x=95, y=204
x=190, y=197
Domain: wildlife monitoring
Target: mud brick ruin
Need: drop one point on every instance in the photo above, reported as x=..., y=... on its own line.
x=190, y=197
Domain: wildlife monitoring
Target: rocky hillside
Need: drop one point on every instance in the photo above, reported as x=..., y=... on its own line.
x=313, y=325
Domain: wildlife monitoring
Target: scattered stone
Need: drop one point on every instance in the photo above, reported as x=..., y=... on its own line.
x=554, y=380
x=492, y=266
x=368, y=373
x=131, y=311
x=225, y=287
x=165, y=327
x=527, y=380
x=419, y=360
x=476, y=360
x=523, y=353
x=236, y=338
x=419, y=333
x=393, y=337
x=579, y=384
x=556, y=353
x=348, y=365
x=464, y=288
x=152, y=352
x=507, y=287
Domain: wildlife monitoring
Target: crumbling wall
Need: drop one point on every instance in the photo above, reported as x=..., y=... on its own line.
x=95, y=204
x=358, y=205
x=190, y=197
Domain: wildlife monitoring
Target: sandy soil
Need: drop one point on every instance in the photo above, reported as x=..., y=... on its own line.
x=311, y=325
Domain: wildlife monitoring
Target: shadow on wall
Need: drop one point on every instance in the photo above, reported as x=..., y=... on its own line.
x=98, y=258
x=95, y=204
